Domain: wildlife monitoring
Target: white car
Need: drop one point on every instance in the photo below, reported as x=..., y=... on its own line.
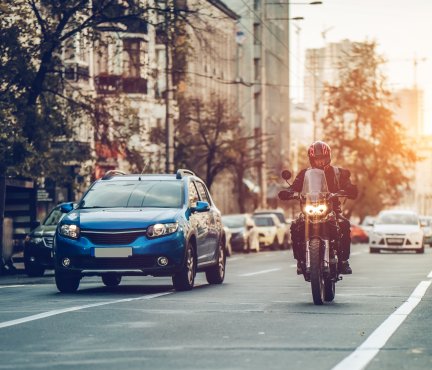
x=396, y=230
x=271, y=234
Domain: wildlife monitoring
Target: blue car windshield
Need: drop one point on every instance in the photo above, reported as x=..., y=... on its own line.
x=134, y=194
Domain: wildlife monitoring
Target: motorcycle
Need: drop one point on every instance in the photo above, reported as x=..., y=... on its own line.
x=321, y=226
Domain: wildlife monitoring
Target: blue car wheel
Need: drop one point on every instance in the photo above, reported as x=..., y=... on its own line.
x=185, y=278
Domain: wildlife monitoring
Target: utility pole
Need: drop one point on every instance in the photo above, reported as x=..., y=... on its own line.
x=263, y=117
x=169, y=121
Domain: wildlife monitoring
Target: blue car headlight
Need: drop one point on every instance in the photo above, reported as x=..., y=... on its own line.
x=70, y=231
x=162, y=229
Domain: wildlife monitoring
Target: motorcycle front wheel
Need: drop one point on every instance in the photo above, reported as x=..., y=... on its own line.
x=329, y=290
x=316, y=273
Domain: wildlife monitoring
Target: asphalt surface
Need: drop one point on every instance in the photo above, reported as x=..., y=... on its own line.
x=262, y=317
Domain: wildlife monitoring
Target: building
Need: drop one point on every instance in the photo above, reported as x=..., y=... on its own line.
x=408, y=110
x=321, y=67
x=262, y=84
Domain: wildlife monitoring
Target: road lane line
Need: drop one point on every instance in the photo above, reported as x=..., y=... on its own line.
x=11, y=286
x=259, y=272
x=44, y=315
x=361, y=357
x=430, y=275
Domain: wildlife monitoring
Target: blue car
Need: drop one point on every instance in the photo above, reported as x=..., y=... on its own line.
x=132, y=225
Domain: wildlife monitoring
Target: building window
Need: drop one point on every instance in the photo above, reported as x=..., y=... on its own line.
x=256, y=33
x=257, y=69
x=132, y=58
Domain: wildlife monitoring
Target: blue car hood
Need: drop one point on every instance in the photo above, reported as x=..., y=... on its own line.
x=121, y=218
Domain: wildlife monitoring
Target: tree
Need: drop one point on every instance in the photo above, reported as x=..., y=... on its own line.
x=363, y=134
x=210, y=140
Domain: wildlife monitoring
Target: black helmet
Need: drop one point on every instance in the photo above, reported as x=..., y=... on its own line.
x=319, y=154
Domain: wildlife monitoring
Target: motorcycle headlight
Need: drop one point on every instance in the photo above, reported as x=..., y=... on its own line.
x=70, y=231
x=318, y=210
x=162, y=229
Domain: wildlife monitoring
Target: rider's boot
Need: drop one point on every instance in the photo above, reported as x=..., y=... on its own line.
x=300, y=267
x=344, y=268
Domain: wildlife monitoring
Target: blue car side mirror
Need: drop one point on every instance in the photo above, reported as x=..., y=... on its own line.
x=67, y=207
x=201, y=206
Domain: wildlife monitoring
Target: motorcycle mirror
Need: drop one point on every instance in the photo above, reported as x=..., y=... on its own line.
x=286, y=175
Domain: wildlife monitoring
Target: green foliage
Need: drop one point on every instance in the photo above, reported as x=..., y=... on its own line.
x=363, y=135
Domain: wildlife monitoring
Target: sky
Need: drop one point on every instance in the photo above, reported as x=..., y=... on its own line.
x=402, y=30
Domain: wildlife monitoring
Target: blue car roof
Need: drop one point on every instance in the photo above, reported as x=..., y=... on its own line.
x=137, y=177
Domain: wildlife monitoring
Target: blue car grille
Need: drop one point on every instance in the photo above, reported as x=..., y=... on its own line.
x=112, y=237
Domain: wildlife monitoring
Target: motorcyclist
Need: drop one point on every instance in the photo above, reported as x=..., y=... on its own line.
x=338, y=179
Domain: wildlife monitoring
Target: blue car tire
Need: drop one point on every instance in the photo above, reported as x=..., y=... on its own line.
x=66, y=282
x=216, y=273
x=185, y=278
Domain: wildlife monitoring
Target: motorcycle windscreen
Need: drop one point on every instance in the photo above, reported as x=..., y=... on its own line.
x=314, y=185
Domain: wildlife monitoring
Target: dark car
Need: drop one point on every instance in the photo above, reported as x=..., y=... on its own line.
x=244, y=233
x=38, y=244
x=159, y=225
x=284, y=225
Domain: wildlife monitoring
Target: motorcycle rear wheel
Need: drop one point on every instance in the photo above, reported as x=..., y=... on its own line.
x=316, y=273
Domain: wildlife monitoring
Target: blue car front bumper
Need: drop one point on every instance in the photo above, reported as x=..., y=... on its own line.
x=81, y=256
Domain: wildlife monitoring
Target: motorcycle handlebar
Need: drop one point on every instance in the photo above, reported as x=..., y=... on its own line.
x=288, y=195
x=340, y=194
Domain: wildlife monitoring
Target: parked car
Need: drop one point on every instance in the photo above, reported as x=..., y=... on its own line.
x=244, y=232
x=358, y=235
x=271, y=235
x=38, y=244
x=284, y=224
x=159, y=225
x=367, y=224
x=228, y=236
x=426, y=225
x=396, y=230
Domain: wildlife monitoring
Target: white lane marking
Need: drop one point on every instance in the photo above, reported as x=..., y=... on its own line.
x=11, y=286
x=295, y=265
x=359, y=359
x=44, y=315
x=430, y=275
x=259, y=272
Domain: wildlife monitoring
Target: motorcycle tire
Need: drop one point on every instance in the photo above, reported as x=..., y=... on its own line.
x=329, y=290
x=316, y=273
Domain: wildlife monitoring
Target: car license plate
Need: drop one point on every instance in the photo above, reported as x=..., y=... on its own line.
x=394, y=240
x=112, y=252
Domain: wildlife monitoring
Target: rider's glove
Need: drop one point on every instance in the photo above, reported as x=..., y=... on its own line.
x=285, y=194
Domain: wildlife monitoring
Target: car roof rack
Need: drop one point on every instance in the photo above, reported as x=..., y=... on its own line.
x=111, y=173
x=181, y=172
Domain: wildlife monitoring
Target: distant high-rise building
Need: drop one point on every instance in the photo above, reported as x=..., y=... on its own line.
x=321, y=66
x=408, y=110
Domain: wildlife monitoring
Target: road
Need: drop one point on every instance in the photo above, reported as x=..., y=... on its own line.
x=262, y=317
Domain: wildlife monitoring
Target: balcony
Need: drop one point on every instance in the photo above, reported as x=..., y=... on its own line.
x=112, y=84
